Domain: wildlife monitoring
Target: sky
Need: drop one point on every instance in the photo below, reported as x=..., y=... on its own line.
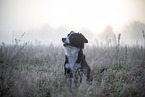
x=50, y=20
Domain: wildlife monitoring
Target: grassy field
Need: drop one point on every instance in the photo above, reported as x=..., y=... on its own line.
x=37, y=71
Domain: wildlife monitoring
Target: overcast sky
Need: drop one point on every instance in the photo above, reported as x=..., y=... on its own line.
x=49, y=20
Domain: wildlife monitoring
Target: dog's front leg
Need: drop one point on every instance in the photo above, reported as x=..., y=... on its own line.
x=87, y=71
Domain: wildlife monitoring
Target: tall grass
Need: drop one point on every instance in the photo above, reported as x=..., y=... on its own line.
x=37, y=71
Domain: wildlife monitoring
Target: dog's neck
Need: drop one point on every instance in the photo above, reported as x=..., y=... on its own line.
x=72, y=53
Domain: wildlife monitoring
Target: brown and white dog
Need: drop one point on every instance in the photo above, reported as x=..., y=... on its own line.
x=74, y=57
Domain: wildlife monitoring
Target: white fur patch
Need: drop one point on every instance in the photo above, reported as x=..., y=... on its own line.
x=72, y=54
x=67, y=38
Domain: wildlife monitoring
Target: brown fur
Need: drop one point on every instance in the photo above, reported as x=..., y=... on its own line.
x=87, y=71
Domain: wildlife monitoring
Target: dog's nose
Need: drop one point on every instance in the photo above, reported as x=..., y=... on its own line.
x=63, y=39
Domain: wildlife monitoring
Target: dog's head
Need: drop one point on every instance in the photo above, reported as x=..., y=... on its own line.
x=74, y=39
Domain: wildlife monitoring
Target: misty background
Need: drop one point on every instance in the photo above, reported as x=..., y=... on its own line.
x=47, y=21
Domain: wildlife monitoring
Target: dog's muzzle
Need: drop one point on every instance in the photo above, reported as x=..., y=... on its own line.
x=63, y=39
x=65, y=44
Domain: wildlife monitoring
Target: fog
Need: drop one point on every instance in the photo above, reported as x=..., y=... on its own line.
x=130, y=34
x=133, y=31
x=48, y=21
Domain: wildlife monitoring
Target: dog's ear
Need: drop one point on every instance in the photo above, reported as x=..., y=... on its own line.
x=83, y=38
x=72, y=32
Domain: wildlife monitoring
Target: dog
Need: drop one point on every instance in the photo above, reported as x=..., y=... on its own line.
x=75, y=64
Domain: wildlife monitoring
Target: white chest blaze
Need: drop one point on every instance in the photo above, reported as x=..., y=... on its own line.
x=72, y=54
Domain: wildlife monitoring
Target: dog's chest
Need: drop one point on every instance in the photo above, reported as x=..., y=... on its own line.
x=72, y=54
